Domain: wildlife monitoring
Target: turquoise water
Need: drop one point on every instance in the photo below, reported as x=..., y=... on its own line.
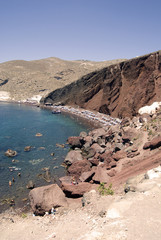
x=18, y=127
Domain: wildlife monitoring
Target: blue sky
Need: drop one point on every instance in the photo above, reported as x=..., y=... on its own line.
x=79, y=29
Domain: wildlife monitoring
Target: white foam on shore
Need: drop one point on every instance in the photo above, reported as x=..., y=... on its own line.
x=4, y=96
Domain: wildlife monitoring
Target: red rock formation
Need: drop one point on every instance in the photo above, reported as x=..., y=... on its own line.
x=119, y=90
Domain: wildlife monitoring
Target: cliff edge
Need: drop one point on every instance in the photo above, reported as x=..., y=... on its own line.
x=119, y=90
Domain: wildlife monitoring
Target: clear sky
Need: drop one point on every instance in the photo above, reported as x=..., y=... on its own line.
x=79, y=29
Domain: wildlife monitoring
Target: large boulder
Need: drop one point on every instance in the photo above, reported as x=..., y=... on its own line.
x=89, y=152
x=88, y=140
x=97, y=133
x=97, y=148
x=77, y=190
x=43, y=199
x=101, y=175
x=75, y=142
x=86, y=176
x=66, y=180
x=119, y=155
x=78, y=167
x=106, y=157
x=154, y=143
x=83, y=134
x=95, y=160
x=128, y=134
x=72, y=157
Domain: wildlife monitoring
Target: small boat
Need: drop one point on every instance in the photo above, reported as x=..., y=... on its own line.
x=56, y=111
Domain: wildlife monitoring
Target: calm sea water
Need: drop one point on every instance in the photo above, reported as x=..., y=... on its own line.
x=18, y=127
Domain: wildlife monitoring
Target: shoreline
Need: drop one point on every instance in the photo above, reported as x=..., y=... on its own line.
x=86, y=116
x=95, y=118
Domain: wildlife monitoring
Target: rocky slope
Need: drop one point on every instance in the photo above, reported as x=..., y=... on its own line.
x=131, y=213
x=22, y=80
x=105, y=156
x=119, y=90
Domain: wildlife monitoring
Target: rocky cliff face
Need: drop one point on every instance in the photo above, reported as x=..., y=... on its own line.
x=119, y=90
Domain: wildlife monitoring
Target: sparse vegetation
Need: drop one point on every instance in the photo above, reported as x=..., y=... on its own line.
x=23, y=215
x=150, y=132
x=105, y=191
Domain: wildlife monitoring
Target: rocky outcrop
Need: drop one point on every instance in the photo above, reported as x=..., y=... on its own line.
x=119, y=90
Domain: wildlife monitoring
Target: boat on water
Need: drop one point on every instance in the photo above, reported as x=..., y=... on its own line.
x=56, y=111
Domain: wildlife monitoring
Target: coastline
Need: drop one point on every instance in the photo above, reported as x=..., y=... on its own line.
x=95, y=118
x=24, y=207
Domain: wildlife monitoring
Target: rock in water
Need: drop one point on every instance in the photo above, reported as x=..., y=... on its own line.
x=27, y=148
x=43, y=199
x=10, y=153
x=47, y=176
x=30, y=185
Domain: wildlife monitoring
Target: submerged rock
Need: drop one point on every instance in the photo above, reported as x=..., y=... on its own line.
x=38, y=135
x=27, y=148
x=10, y=153
x=47, y=176
x=30, y=185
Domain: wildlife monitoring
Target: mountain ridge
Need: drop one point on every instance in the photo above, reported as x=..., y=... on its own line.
x=27, y=79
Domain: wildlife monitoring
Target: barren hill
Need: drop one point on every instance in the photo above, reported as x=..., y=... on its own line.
x=119, y=90
x=21, y=80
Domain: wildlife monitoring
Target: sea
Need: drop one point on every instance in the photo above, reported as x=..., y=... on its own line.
x=19, y=124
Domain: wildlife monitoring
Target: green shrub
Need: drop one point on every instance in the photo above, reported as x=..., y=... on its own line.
x=105, y=191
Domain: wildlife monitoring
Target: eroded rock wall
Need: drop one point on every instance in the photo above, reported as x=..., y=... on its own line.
x=119, y=90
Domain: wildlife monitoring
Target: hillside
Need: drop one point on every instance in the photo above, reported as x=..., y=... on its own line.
x=119, y=90
x=21, y=80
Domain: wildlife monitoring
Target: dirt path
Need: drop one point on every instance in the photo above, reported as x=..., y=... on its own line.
x=119, y=217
